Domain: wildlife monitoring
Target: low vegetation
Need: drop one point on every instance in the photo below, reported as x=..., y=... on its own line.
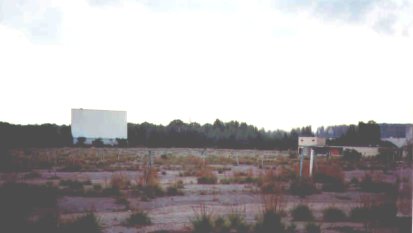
x=86, y=223
x=206, y=176
x=333, y=214
x=302, y=213
x=139, y=218
x=312, y=228
x=332, y=178
x=302, y=187
x=205, y=222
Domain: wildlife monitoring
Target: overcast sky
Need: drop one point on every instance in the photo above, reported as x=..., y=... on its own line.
x=273, y=64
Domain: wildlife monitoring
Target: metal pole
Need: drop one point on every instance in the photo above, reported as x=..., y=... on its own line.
x=311, y=161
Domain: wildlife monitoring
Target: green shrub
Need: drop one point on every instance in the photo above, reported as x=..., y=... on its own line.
x=333, y=214
x=174, y=191
x=270, y=222
x=122, y=200
x=359, y=214
x=302, y=213
x=351, y=155
x=206, y=176
x=88, y=223
x=32, y=175
x=147, y=192
x=302, y=187
x=202, y=223
x=312, y=228
x=221, y=225
x=384, y=214
x=139, y=218
x=97, y=187
x=237, y=223
x=368, y=185
x=73, y=187
x=110, y=191
x=334, y=187
x=98, y=142
x=207, y=180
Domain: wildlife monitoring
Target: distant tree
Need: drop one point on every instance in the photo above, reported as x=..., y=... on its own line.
x=81, y=141
x=98, y=142
x=365, y=134
x=121, y=142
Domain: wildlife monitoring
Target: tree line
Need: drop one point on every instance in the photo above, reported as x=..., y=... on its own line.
x=233, y=135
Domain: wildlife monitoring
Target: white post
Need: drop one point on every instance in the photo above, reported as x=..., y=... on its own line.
x=311, y=161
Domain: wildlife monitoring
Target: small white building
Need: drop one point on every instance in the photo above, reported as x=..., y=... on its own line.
x=311, y=141
x=364, y=150
x=106, y=125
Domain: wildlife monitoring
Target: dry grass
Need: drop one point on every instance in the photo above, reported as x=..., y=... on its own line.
x=119, y=181
x=206, y=176
x=149, y=176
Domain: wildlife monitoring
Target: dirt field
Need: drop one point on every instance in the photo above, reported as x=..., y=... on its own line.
x=238, y=186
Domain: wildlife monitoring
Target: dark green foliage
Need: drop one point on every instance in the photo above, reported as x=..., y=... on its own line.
x=219, y=134
x=302, y=213
x=18, y=201
x=312, y=228
x=73, y=187
x=383, y=214
x=81, y=141
x=237, y=223
x=351, y=155
x=333, y=182
x=176, y=134
x=334, y=187
x=333, y=214
x=359, y=214
x=139, y=218
x=207, y=179
x=202, y=224
x=270, y=222
x=302, y=187
x=221, y=225
x=205, y=222
x=239, y=180
x=122, y=200
x=98, y=142
x=174, y=191
x=110, y=191
x=46, y=135
x=32, y=175
x=368, y=185
x=364, y=134
x=45, y=223
x=147, y=192
x=121, y=142
x=88, y=223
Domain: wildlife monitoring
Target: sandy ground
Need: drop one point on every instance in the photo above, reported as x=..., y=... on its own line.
x=175, y=213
